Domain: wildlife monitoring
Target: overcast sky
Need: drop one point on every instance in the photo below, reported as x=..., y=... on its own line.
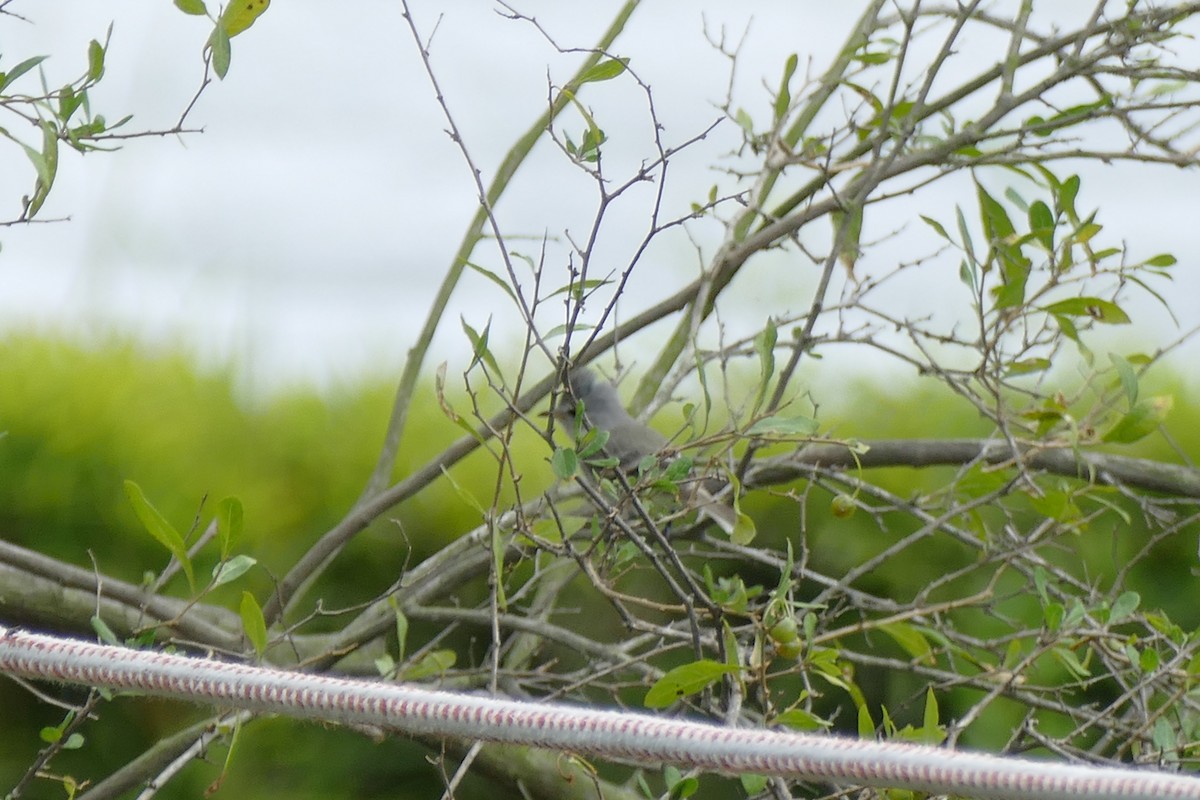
x=303, y=233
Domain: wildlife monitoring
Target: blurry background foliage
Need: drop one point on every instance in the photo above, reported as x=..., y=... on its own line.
x=80, y=418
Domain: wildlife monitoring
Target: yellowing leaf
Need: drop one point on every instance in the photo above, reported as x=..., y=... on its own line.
x=241, y=14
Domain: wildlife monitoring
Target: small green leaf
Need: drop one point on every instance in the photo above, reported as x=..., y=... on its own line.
x=866, y=725
x=253, y=623
x=95, y=60
x=801, y=720
x=229, y=524
x=784, y=98
x=782, y=426
x=401, y=627
x=231, y=570
x=479, y=345
x=158, y=527
x=1163, y=260
x=752, y=785
x=1027, y=366
x=1064, y=198
x=937, y=226
x=930, y=722
x=1141, y=420
x=432, y=663
x=686, y=680
x=105, y=633
x=218, y=43
x=6, y=78
x=194, y=7
x=592, y=442
x=1127, y=375
x=911, y=639
x=494, y=278
x=1099, y=310
x=1041, y=224
x=605, y=70
x=1124, y=606
x=564, y=463
x=744, y=530
x=764, y=345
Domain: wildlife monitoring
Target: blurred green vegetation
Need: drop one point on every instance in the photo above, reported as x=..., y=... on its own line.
x=78, y=419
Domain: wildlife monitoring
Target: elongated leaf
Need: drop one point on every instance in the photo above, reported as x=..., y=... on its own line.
x=253, y=623
x=783, y=100
x=229, y=524
x=20, y=69
x=686, y=680
x=229, y=571
x=158, y=527
x=1099, y=310
x=1127, y=375
x=605, y=70
x=797, y=425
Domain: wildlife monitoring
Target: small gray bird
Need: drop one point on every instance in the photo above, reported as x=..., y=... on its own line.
x=629, y=441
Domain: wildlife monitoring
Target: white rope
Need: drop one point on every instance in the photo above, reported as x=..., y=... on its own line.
x=639, y=737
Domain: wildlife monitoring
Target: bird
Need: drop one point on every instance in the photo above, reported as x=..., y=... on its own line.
x=629, y=441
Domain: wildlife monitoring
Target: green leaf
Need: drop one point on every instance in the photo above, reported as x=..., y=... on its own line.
x=1064, y=198
x=604, y=71
x=229, y=524
x=105, y=633
x=1041, y=224
x=6, y=78
x=911, y=639
x=752, y=784
x=764, y=345
x=1127, y=375
x=231, y=570
x=564, y=463
x=401, y=627
x=744, y=530
x=95, y=60
x=1162, y=260
x=937, y=226
x=1141, y=420
x=789, y=426
x=996, y=224
x=1027, y=366
x=1099, y=310
x=218, y=43
x=253, y=623
x=593, y=441
x=930, y=722
x=195, y=7
x=784, y=98
x=686, y=680
x=1124, y=606
x=866, y=725
x=494, y=278
x=432, y=663
x=847, y=230
x=479, y=345
x=801, y=720
x=46, y=164
x=158, y=527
